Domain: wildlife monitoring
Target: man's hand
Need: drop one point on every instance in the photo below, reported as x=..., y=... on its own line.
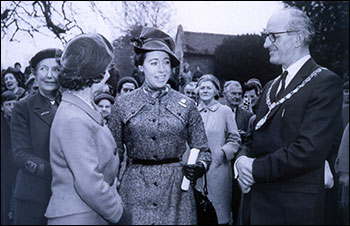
x=344, y=179
x=245, y=173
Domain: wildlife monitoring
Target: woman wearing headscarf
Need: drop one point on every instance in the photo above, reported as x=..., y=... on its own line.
x=82, y=150
x=30, y=135
x=224, y=140
x=155, y=122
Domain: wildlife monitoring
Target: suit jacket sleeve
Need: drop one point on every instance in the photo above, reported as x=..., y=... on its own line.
x=316, y=135
x=22, y=146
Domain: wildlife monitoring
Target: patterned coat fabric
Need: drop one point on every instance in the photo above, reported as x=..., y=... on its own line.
x=84, y=166
x=157, y=129
x=224, y=140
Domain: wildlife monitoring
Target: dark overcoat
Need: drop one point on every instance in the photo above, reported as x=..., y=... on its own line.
x=30, y=130
x=291, y=149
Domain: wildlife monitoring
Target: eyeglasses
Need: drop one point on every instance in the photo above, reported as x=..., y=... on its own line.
x=272, y=35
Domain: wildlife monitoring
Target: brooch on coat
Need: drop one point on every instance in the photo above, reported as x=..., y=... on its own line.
x=182, y=103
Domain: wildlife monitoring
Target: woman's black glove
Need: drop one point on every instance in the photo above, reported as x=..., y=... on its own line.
x=193, y=171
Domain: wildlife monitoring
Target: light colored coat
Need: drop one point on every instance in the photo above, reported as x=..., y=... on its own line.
x=84, y=166
x=224, y=140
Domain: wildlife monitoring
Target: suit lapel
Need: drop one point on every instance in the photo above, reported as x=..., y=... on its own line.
x=304, y=72
x=42, y=109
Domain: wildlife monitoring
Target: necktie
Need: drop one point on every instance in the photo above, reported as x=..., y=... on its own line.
x=283, y=84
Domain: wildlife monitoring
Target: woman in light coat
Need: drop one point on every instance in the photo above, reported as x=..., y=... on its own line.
x=82, y=149
x=224, y=141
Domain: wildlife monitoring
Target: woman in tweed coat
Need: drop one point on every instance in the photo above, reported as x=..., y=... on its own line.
x=155, y=122
x=224, y=140
x=82, y=150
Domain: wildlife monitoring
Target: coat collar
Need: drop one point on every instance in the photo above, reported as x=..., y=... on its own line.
x=73, y=99
x=42, y=107
x=213, y=107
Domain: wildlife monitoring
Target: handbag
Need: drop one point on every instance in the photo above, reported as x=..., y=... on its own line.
x=206, y=214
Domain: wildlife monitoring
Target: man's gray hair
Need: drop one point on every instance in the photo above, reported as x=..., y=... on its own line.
x=301, y=22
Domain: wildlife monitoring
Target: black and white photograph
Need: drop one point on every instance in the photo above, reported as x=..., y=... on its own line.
x=174, y=113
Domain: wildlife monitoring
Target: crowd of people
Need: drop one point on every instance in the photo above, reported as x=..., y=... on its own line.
x=82, y=145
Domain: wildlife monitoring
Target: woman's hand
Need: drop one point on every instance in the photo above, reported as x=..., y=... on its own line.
x=193, y=171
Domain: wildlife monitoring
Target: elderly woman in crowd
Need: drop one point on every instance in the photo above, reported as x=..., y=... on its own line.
x=82, y=149
x=224, y=141
x=155, y=122
x=12, y=83
x=30, y=130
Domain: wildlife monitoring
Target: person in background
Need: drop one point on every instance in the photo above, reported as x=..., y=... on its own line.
x=30, y=136
x=12, y=80
x=8, y=166
x=281, y=166
x=155, y=122
x=127, y=84
x=197, y=74
x=82, y=150
x=224, y=141
x=342, y=169
x=21, y=75
x=113, y=80
x=191, y=91
x=104, y=102
x=185, y=77
x=31, y=85
x=233, y=94
x=251, y=95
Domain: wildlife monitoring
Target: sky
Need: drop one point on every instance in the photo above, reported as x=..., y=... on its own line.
x=226, y=17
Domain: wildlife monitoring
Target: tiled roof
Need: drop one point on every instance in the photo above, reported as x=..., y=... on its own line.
x=202, y=43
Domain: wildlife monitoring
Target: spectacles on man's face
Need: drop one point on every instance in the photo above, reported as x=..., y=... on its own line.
x=272, y=35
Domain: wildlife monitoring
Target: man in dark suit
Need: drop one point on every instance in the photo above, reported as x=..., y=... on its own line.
x=281, y=165
x=30, y=131
x=233, y=94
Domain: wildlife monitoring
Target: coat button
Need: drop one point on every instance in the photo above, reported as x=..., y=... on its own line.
x=205, y=111
x=155, y=204
x=156, y=183
x=154, y=120
x=155, y=156
x=153, y=138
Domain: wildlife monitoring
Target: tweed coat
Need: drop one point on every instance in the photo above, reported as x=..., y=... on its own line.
x=224, y=140
x=291, y=148
x=30, y=136
x=157, y=129
x=84, y=165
